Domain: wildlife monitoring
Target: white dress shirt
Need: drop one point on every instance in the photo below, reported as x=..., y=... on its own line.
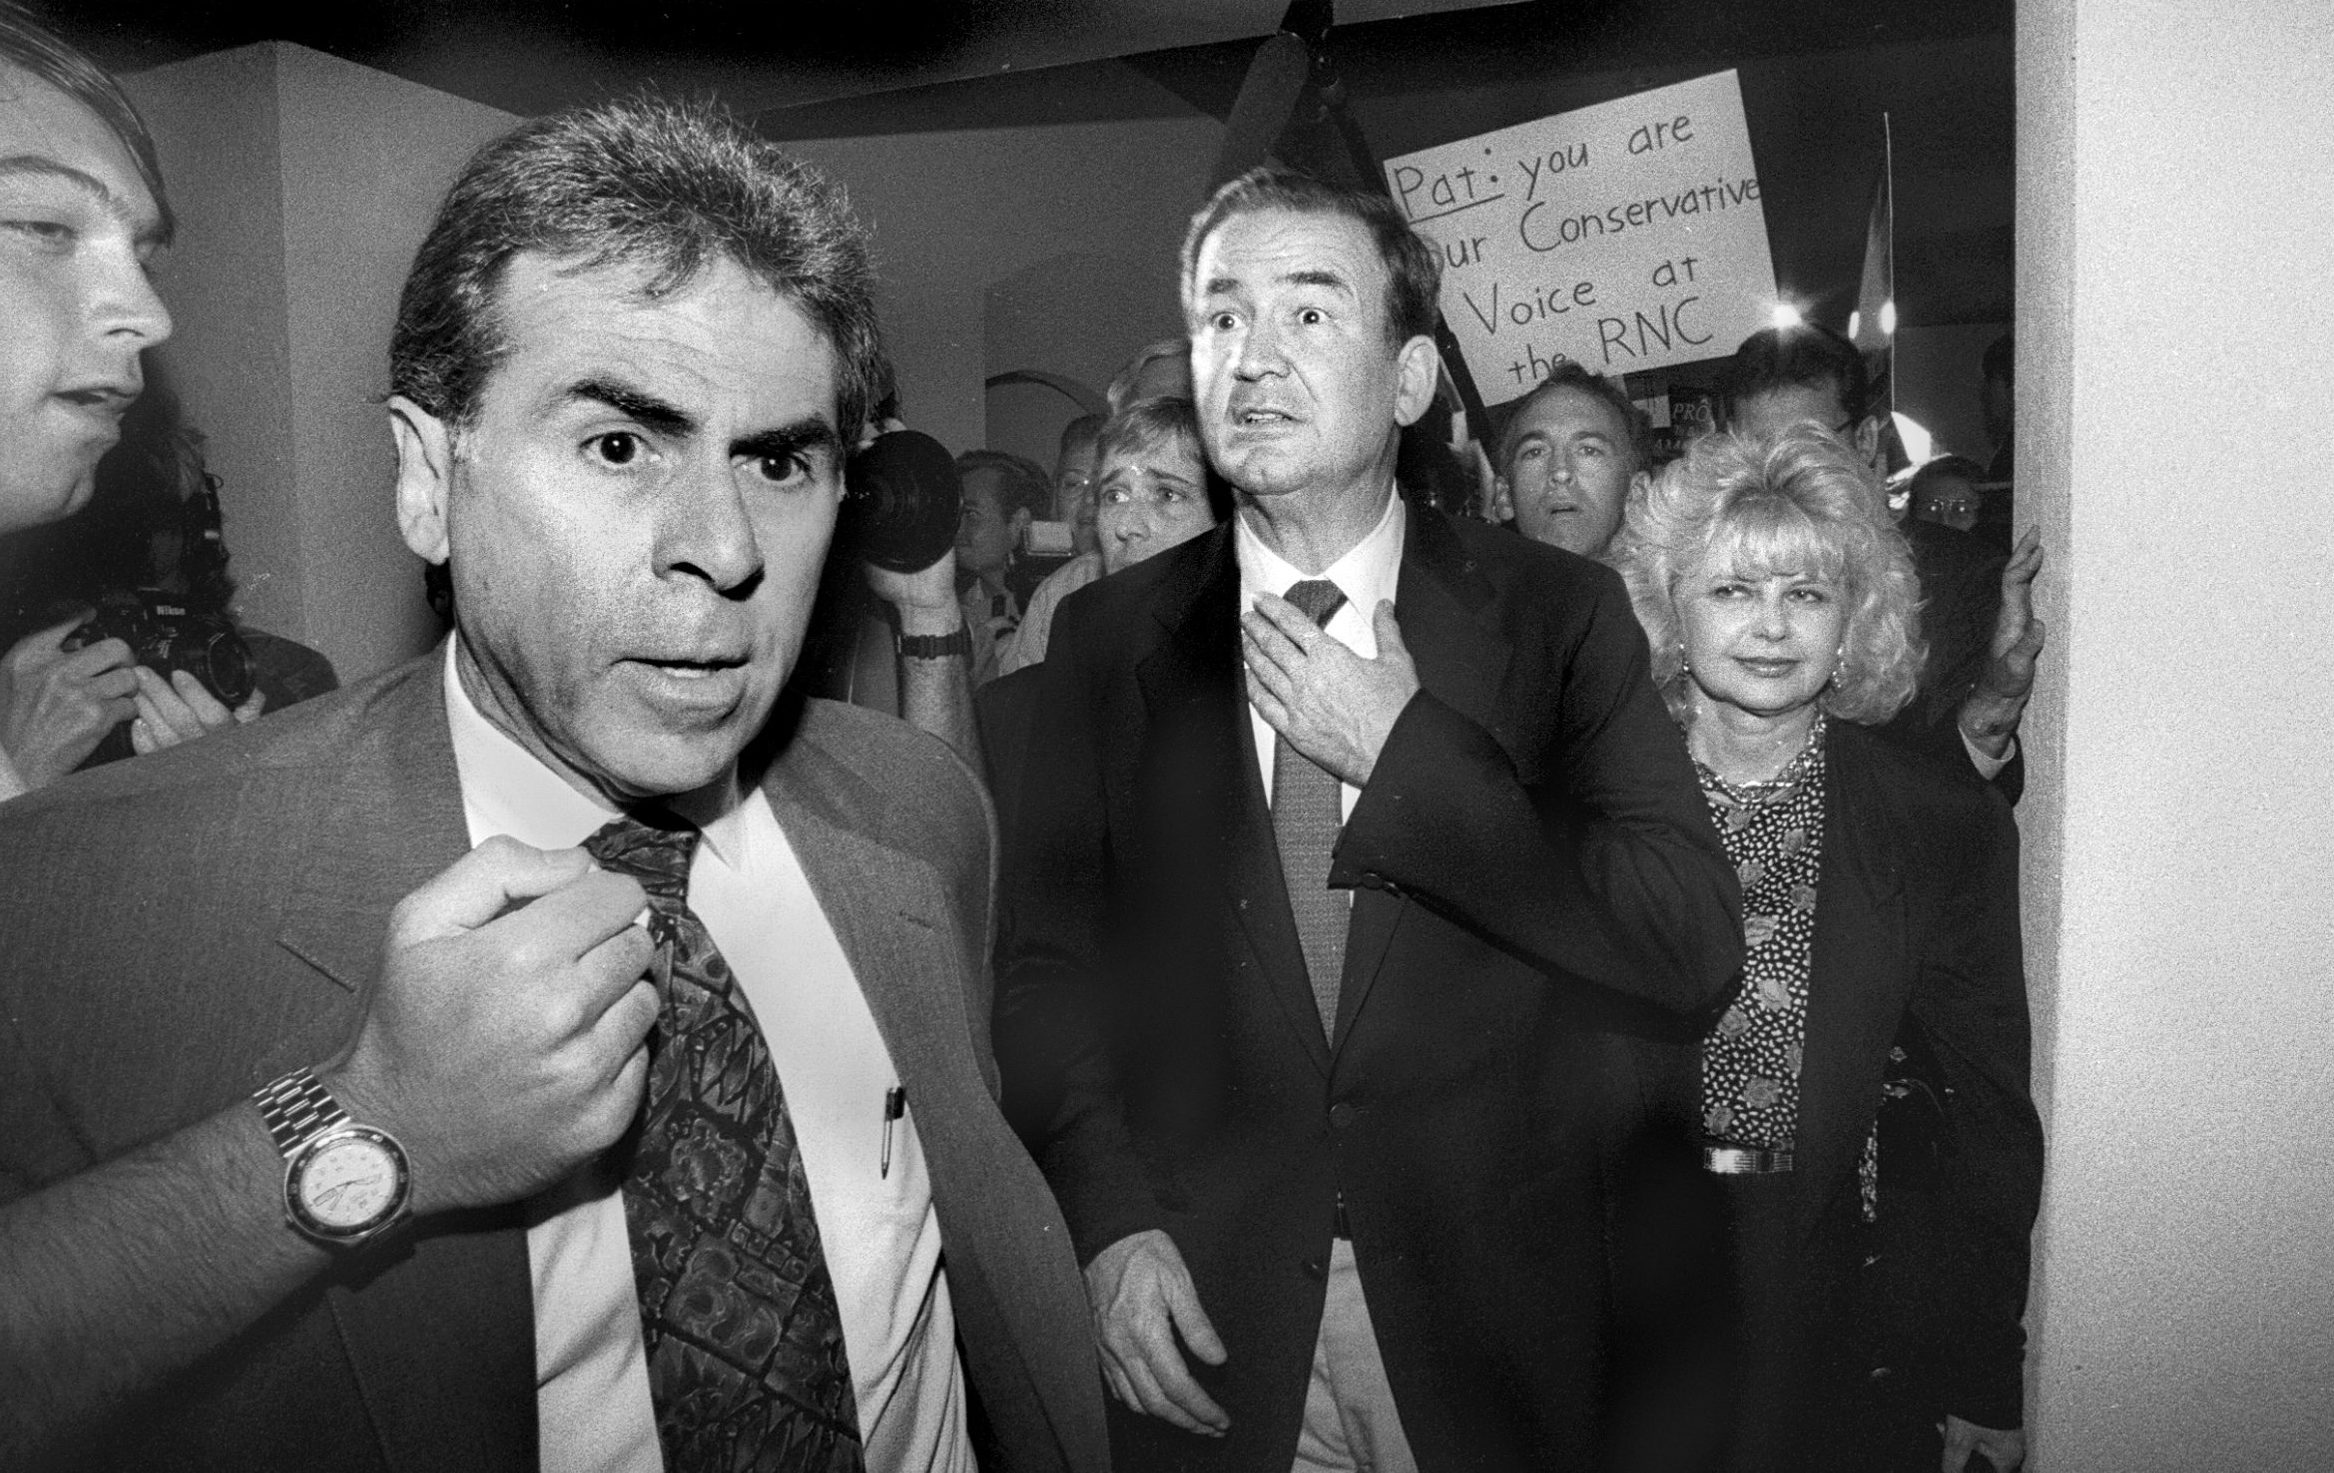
x=877, y=1227
x=1369, y=571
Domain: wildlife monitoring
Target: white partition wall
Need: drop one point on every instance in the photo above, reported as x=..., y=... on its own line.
x=303, y=184
x=2176, y=316
x=959, y=214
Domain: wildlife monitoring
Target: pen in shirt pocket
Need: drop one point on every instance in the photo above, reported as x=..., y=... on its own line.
x=895, y=1104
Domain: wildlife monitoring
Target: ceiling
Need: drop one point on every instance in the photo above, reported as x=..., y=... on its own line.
x=530, y=56
x=1817, y=78
x=1817, y=75
x=758, y=56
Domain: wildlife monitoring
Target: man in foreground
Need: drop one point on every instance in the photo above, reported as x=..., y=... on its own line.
x=1360, y=838
x=318, y=1037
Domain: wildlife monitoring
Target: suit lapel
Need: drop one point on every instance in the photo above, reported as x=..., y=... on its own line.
x=457, y=1309
x=1856, y=977
x=891, y=914
x=1445, y=605
x=1196, y=717
x=1448, y=613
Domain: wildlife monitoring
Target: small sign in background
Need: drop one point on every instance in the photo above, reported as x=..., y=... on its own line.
x=1626, y=236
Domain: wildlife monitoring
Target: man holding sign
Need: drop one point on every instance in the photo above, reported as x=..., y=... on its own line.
x=1364, y=841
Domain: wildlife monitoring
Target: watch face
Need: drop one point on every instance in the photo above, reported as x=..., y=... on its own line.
x=350, y=1182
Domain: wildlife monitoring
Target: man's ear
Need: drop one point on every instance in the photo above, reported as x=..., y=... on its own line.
x=1418, y=365
x=425, y=477
x=1867, y=439
x=1638, y=481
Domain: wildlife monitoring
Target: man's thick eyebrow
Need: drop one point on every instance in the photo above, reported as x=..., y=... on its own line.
x=1314, y=276
x=33, y=165
x=644, y=409
x=787, y=440
x=1223, y=286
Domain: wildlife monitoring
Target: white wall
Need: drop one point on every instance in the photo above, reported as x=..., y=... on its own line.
x=215, y=124
x=957, y=213
x=303, y=183
x=366, y=156
x=2176, y=331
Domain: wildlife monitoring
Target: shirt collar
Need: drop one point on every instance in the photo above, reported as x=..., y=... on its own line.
x=1370, y=570
x=507, y=789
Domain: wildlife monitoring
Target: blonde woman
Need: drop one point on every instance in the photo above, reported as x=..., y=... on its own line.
x=1880, y=1250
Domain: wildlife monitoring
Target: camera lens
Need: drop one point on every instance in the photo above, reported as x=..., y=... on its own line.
x=224, y=664
x=903, y=504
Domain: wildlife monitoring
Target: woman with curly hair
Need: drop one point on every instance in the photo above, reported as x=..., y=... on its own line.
x=1864, y=1104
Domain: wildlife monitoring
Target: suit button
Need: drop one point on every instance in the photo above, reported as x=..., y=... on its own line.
x=1314, y=1270
x=1341, y=1115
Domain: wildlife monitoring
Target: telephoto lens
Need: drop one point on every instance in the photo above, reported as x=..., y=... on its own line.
x=901, y=503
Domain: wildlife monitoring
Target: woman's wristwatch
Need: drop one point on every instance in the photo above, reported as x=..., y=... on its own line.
x=344, y=1183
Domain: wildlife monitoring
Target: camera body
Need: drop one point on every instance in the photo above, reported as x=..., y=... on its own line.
x=1050, y=539
x=164, y=635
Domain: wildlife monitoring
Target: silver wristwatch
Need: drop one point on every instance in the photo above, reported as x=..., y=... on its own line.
x=343, y=1182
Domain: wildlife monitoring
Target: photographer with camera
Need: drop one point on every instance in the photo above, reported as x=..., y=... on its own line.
x=84, y=214
x=144, y=567
x=900, y=525
x=160, y=647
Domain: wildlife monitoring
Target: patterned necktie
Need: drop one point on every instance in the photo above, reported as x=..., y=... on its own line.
x=746, y=1364
x=1307, y=812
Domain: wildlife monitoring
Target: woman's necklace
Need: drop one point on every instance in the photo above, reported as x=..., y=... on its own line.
x=1778, y=781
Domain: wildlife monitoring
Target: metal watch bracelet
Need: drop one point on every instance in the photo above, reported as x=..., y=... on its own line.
x=955, y=644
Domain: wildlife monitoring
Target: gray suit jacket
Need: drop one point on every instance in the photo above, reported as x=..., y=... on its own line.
x=179, y=930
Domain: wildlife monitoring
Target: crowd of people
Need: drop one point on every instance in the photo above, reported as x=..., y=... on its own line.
x=1334, y=983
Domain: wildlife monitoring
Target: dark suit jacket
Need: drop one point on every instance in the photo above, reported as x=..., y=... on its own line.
x=183, y=928
x=1916, y=938
x=1532, y=870
x=1961, y=593
x=1005, y=709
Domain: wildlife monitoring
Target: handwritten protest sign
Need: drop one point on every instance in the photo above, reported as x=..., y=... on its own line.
x=1625, y=236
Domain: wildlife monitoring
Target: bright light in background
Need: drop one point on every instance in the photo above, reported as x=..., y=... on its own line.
x=1855, y=325
x=1919, y=445
x=1786, y=317
x=1887, y=320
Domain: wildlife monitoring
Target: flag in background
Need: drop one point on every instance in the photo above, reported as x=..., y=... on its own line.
x=1872, y=327
x=1873, y=323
